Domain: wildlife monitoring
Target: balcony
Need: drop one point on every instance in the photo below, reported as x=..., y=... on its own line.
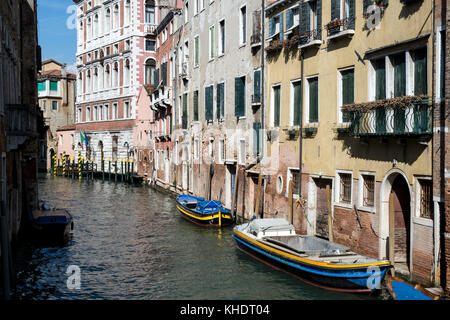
x=310, y=38
x=396, y=117
x=21, y=124
x=256, y=99
x=162, y=136
x=255, y=40
x=340, y=28
x=150, y=29
x=161, y=98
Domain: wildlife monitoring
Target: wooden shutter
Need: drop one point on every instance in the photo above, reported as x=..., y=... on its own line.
x=196, y=50
x=289, y=19
x=256, y=138
x=335, y=9
x=304, y=12
x=185, y=113
x=209, y=112
x=164, y=73
x=380, y=79
x=348, y=91
x=297, y=101
x=313, y=100
x=196, y=105
x=318, y=34
x=351, y=22
x=271, y=26
x=239, y=97
x=420, y=72
x=220, y=100
x=399, y=75
x=257, y=84
x=281, y=27
x=277, y=102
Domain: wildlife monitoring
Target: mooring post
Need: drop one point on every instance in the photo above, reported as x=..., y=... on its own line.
x=121, y=170
x=54, y=166
x=58, y=168
x=79, y=167
x=109, y=169
x=128, y=171
x=103, y=169
x=132, y=170
x=115, y=170
x=73, y=167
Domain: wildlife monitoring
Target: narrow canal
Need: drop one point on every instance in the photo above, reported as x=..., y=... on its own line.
x=131, y=243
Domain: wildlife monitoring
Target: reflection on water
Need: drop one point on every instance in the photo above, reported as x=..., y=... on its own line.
x=131, y=243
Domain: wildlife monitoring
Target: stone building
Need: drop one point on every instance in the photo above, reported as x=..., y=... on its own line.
x=56, y=92
x=114, y=51
x=360, y=95
x=218, y=113
x=21, y=124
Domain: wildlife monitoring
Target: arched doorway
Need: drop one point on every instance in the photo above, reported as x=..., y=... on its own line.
x=52, y=162
x=395, y=220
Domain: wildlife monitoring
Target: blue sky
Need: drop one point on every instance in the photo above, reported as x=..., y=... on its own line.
x=57, y=40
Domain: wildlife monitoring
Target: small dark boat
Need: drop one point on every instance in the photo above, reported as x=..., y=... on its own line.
x=52, y=223
x=316, y=261
x=203, y=212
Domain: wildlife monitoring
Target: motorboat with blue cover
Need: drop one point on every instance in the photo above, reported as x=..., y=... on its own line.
x=203, y=212
x=52, y=223
x=315, y=260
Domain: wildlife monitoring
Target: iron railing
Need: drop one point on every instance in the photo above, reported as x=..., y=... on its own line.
x=335, y=26
x=389, y=121
x=308, y=36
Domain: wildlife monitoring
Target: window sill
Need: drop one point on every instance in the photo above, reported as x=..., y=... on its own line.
x=423, y=221
x=366, y=209
x=345, y=33
x=310, y=44
x=343, y=205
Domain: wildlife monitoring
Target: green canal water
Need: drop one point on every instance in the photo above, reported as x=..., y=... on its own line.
x=131, y=243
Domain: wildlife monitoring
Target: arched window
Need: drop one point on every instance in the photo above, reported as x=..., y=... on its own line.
x=88, y=81
x=81, y=34
x=80, y=83
x=127, y=13
x=150, y=67
x=89, y=29
x=115, y=75
x=95, y=80
x=96, y=26
x=107, y=77
x=127, y=73
x=100, y=77
x=116, y=17
x=107, y=21
x=150, y=14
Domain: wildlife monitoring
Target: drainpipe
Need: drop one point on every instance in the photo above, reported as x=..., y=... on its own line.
x=300, y=116
x=262, y=95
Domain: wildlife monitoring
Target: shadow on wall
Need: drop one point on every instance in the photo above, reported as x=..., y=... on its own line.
x=409, y=8
x=384, y=150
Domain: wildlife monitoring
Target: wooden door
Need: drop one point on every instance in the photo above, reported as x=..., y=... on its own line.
x=323, y=207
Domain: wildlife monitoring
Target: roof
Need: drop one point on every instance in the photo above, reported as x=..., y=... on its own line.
x=55, y=73
x=52, y=60
x=67, y=128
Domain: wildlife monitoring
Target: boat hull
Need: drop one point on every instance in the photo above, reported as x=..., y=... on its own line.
x=353, y=279
x=211, y=220
x=51, y=225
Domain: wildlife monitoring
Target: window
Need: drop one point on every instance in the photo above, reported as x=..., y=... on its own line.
x=209, y=103
x=150, y=14
x=256, y=86
x=276, y=105
x=313, y=100
x=186, y=12
x=221, y=150
x=150, y=70
x=243, y=25
x=242, y=152
x=106, y=117
x=399, y=64
x=127, y=109
x=211, y=43
x=107, y=77
x=296, y=96
x=196, y=149
x=115, y=111
x=293, y=175
x=95, y=114
x=53, y=85
x=80, y=115
x=127, y=73
x=426, y=203
x=54, y=105
x=368, y=190
x=276, y=27
x=239, y=97
x=220, y=97
x=88, y=113
x=345, y=188
x=380, y=78
x=116, y=17
x=211, y=148
x=197, y=52
x=343, y=10
x=420, y=71
x=44, y=105
x=150, y=45
x=196, y=105
x=347, y=91
x=41, y=86
x=115, y=75
x=222, y=37
x=127, y=45
x=185, y=111
x=257, y=138
x=127, y=14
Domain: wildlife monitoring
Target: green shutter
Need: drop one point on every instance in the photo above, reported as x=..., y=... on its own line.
x=420, y=72
x=256, y=138
x=399, y=75
x=257, y=85
x=196, y=105
x=211, y=45
x=41, y=86
x=313, y=100
x=185, y=112
x=380, y=85
x=196, y=50
x=277, y=107
x=209, y=111
x=239, y=97
x=53, y=86
x=348, y=91
x=220, y=100
x=289, y=19
x=297, y=100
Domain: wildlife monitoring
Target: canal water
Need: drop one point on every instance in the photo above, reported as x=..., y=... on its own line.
x=131, y=243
